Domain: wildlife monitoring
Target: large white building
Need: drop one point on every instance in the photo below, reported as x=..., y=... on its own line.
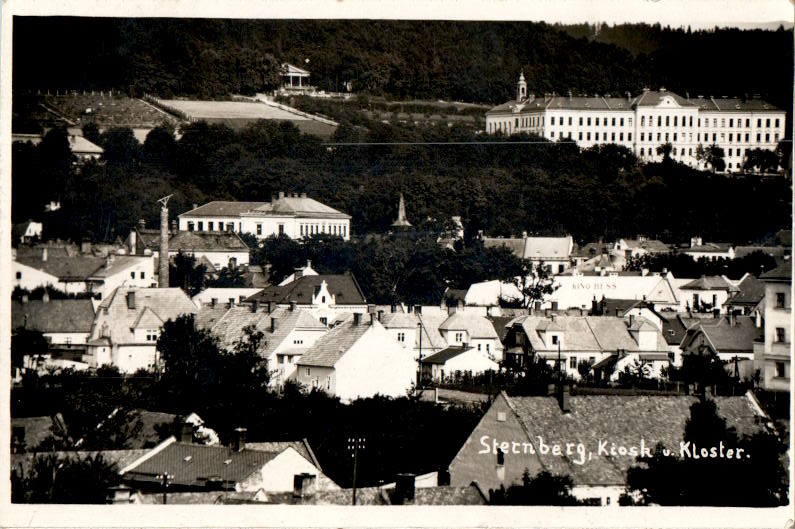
x=644, y=122
x=291, y=214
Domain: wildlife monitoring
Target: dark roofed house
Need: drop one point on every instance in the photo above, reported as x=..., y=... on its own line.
x=243, y=467
x=629, y=421
x=730, y=337
x=64, y=323
x=747, y=298
x=218, y=249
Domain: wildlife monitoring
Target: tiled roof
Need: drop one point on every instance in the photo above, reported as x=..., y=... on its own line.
x=516, y=245
x=592, y=249
x=165, y=303
x=548, y=248
x=343, y=287
x=776, y=251
x=302, y=447
x=207, y=316
x=56, y=315
x=650, y=245
x=229, y=328
x=751, y=292
x=708, y=247
x=37, y=429
x=445, y=354
x=333, y=346
x=673, y=330
x=499, y=323
x=219, y=208
x=120, y=458
x=726, y=337
x=299, y=206
x=710, y=283
x=733, y=104
x=650, y=98
x=477, y=326
x=288, y=69
x=781, y=272
x=81, y=267
x=192, y=465
x=194, y=241
x=623, y=420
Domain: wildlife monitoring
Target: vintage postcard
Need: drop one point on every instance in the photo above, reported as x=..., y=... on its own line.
x=504, y=264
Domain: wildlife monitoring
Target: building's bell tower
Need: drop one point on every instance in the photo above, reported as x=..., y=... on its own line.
x=521, y=88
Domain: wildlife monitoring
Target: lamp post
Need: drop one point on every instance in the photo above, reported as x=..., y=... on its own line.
x=354, y=444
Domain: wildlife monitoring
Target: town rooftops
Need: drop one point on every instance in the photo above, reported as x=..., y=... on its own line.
x=343, y=287
x=328, y=349
x=477, y=326
x=535, y=248
x=708, y=247
x=751, y=291
x=782, y=272
x=81, y=267
x=650, y=245
x=194, y=465
x=710, y=283
x=733, y=104
x=192, y=241
x=219, y=208
x=229, y=328
x=622, y=420
x=53, y=316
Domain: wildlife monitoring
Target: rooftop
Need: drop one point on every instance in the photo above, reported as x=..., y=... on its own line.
x=343, y=287
x=780, y=273
x=53, y=316
x=328, y=349
x=193, y=241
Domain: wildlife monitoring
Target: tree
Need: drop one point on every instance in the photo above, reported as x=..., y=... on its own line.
x=756, y=478
x=160, y=147
x=186, y=274
x=121, y=147
x=91, y=133
x=55, y=478
x=715, y=158
x=229, y=277
x=541, y=489
x=665, y=150
x=27, y=342
x=535, y=283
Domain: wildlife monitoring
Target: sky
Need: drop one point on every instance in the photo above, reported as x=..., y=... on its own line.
x=696, y=13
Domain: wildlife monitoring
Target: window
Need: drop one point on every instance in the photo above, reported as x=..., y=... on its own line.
x=516, y=123
x=781, y=299
x=132, y=275
x=731, y=123
x=781, y=335
x=658, y=136
x=19, y=275
x=589, y=122
x=613, y=136
x=570, y=120
x=629, y=121
x=767, y=122
x=642, y=151
x=500, y=457
x=281, y=229
x=401, y=336
x=714, y=122
x=691, y=121
x=190, y=226
x=758, y=138
x=643, y=121
x=666, y=136
x=781, y=370
x=552, y=134
x=629, y=136
x=142, y=275
x=767, y=138
x=280, y=359
x=597, y=122
x=488, y=346
x=220, y=226
x=459, y=337
x=620, y=136
x=314, y=383
x=298, y=342
x=573, y=362
x=307, y=371
x=324, y=320
x=478, y=347
x=552, y=120
x=714, y=137
x=210, y=226
x=667, y=121
x=746, y=137
x=659, y=121
x=777, y=122
x=596, y=136
x=731, y=136
x=641, y=136
x=759, y=122
x=554, y=339
x=613, y=122
x=730, y=152
x=581, y=122
x=674, y=136
x=201, y=226
x=580, y=135
x=747, y=122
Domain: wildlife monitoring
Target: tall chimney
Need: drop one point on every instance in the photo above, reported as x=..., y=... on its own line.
x=44, y=255
x=239, y=439
x=163, y=259
x=404, y=488
x=133, y=242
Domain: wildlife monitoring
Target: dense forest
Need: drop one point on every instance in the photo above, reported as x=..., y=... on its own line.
x=463, y=61
x=502, y=188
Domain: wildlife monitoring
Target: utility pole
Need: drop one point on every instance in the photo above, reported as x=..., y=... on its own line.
x=354, y=444
x=419, y=373
x=163, y=261
x=165, y=478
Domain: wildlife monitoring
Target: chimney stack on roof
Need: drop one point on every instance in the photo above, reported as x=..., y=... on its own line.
x=254, y=305
x=404, y=489
x=133, y=242
x=45, y=297
x=293, y=306
x=273, y=324
x=185, y=433
x=239, y=439
x=131, y=299
x=141, y=223
x=357, y=318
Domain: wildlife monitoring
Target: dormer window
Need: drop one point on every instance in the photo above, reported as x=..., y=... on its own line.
x=554, y=339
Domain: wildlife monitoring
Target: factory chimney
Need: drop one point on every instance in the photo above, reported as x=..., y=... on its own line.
x=162, y=272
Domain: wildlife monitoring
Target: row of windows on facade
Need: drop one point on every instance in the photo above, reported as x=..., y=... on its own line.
x=333, y=229
x=706, y=137
x=538, y=121
x=199, y=226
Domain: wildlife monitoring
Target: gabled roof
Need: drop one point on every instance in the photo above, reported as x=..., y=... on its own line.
x=289, y=69
x=674, y=330
x=478, y=326
x=221, y=208
x=622, y=420
x=194, y=241
x=516, y=245
x=650, y=245
x=229, y=328
x=192, y=465
x=724, y=336
x=120, y=320
x=56, y=315
x=333, y=346
x=548, y=248
x=733, y=104
x=710, y=283
x=782, y=272
x=751, y=292
x=343, y=287
x=653, y=98
x=302, y=447
x=708, y=247
x=147, y=319
x=446, y=354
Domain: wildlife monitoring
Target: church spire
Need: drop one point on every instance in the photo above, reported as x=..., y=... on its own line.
x=521, y=88
x=402, y=221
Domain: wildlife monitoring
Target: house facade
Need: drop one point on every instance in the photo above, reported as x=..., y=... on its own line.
x=552, y=253
x=128, y=323
x=221, y=249
x=645, y=122
x=775, y=360
x=296, y=216
x=731, y=338
x=456, y=360
x=357, y=359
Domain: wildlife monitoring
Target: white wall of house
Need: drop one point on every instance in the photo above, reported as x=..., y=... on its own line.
x=778, y=324
x=277, y=474
x=319, y=377
x=140, y=273
x=130, y=358
x=30, y=278
x=208, y=224
x=66, y=338
x=470, y=361
x=608, y=494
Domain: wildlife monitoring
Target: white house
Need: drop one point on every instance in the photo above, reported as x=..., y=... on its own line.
x=463, y=328
x=83, y=273
x=223, y=295
x=706, y=293
x=455, y=360
x=578, y=290
x=775, y=359
x=27, y=231
x=128, y=323
x=553, y=253
x=358, y=359
x=287, y=334
x=296, y=216
x=710, y=250
x=730, y=338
